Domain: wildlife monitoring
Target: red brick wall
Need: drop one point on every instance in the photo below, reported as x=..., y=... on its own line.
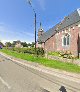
x=55, y=42
x=50, y=44
x=74, y=40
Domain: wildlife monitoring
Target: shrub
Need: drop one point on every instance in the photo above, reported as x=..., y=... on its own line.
x=25, y=50
x=40, y=51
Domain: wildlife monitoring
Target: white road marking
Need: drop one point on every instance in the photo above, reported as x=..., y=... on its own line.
x=5, y=83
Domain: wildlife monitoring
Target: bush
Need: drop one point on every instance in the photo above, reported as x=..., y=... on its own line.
x=40, y=51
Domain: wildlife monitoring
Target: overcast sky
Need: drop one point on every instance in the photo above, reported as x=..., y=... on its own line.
x=17, y=17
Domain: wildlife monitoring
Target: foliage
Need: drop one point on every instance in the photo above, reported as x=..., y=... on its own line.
x=54, y=53
x=32, y=45
x=23, y=50
x=1, y=44
x=24, y=44
x=49, y=63
x=40, y=51
x=8, y=44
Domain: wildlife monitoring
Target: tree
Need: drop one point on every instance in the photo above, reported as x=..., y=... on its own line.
x=32, y=45
x=13, y=43
x=29, y=44
x=8, y=44
x=24, y=44
x=1, y=44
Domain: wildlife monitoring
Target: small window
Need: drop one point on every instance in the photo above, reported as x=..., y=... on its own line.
x=66, y=40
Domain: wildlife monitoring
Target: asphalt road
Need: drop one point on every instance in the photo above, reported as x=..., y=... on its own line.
x=18, y=78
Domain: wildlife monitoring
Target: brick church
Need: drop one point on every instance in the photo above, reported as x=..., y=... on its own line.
x=65, y=36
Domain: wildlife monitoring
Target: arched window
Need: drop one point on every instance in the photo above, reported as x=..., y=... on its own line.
x=66, y=40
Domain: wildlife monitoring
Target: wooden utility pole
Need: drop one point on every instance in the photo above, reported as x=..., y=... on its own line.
x=29, y=1
x=35, y=32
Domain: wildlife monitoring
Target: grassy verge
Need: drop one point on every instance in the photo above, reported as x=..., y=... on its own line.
x=54, y=53
x=49, y=63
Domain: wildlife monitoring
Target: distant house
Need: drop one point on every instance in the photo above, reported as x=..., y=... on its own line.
x=65, y=36
x=18, y=44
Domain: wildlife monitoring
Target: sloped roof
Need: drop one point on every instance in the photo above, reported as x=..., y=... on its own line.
x=70, y=19
x=47, y=34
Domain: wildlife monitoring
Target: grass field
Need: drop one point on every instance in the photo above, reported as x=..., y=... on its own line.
x=46, y=62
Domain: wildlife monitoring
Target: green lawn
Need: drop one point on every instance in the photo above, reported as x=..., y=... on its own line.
x=49, y=63
x=54, y=53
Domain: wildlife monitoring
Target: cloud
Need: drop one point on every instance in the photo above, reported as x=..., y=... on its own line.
x=27, y=33
x=8, y=34
x=4, y=41
x=9, y=31
x=42, y=4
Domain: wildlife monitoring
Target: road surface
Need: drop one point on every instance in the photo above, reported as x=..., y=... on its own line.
x=19, y=78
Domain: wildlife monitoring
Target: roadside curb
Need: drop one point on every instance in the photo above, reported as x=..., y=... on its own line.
x=56, y=72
